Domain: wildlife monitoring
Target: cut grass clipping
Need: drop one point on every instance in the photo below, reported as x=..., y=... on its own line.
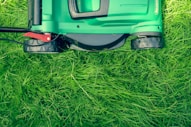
x=120, y=88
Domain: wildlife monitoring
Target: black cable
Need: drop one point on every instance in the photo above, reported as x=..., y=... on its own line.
x=13, y=41
x=16, y=30
x=20, y=43
x=13, y=29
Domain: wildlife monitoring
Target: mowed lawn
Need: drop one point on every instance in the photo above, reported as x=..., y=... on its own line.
x=119, y=88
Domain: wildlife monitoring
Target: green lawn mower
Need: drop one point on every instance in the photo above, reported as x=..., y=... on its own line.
x=92, y=25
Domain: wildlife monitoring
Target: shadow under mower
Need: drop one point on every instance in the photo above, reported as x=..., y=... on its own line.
x=93, y=25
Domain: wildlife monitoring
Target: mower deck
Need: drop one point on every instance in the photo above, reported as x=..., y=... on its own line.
x=95, y=24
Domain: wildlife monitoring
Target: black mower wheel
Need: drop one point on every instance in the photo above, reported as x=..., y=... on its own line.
x=147, y=42
x=37, y=46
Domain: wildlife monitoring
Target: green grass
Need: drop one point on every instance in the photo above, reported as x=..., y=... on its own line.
x=120, y=88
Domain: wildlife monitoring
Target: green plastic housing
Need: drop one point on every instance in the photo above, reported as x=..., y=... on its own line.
x=123, y=17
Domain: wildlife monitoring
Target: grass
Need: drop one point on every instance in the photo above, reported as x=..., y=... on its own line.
x=120, y=88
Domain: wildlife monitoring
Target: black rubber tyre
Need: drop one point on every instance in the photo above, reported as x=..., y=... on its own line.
x=37, y=46
x=147, y=42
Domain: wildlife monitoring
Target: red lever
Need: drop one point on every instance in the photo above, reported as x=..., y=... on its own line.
x=41, y=37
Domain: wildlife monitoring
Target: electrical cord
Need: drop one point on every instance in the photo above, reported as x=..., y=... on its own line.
x=20, y=43
x=22, y=30
x=13, y=29
x=13, y=41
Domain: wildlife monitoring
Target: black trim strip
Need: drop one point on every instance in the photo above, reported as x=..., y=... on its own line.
x=13, y=29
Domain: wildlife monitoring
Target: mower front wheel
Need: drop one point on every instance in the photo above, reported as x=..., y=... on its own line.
x=147, y=42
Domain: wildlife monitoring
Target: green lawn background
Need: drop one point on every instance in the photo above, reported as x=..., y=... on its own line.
x=119, y=88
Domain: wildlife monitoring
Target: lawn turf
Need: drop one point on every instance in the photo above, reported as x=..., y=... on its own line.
x=119, y=88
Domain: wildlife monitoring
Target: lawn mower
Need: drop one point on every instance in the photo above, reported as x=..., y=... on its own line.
x=91, y=25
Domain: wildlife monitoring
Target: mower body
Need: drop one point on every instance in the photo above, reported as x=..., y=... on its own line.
x=98, y=24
